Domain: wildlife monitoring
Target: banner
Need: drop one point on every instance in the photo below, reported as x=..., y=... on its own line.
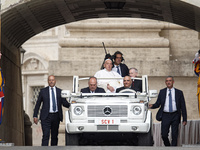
x=2, y=82
x=196, y=61
x=1, y=105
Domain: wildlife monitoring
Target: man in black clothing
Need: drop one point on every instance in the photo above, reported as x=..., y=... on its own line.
x=136, y=84
x=172, y=105
x=127, y=84
x=51, y=112
x=118, y=67
x=92, y=87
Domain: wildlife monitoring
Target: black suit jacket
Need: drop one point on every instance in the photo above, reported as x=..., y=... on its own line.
x=124, y=70
x=98, y=90
x=180, y=104
x=45, y=99
x=137, y=85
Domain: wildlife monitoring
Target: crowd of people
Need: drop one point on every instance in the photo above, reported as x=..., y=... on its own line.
x=110, y=77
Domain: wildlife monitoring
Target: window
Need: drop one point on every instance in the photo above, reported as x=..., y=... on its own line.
x=35, y=91
x=35, y=94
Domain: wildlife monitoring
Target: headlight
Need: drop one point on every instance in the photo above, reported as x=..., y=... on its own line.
x=78, y=110
x=137, y=110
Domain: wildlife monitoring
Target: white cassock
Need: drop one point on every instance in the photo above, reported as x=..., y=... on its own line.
x=108, y=74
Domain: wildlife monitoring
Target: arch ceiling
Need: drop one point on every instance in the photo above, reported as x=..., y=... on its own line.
x=27, y=19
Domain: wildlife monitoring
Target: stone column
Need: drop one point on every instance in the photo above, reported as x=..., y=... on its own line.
x=12, y=127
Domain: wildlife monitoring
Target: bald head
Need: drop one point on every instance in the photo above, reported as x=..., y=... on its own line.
x=127, y=81
x=51, y=81
x=92, y=83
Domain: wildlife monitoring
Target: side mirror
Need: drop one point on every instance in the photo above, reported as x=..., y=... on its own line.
x=153, y=93
x=65, y=93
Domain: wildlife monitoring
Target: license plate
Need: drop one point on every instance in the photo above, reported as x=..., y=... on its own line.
x=107, y=121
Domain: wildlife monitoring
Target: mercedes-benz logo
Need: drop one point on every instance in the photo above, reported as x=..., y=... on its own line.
x=107, y=111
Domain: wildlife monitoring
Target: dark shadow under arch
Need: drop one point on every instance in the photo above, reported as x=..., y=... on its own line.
x=30, y=18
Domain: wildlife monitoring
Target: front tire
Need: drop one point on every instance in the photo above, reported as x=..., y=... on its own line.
x=71, y=139
x=146, y=139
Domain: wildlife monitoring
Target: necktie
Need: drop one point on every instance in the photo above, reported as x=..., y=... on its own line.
x=118, y=70
x=170, y=101
x=53, y=99
x=133, y=83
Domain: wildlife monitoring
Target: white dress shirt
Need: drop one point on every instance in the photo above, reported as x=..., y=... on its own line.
x=166, y=107
x=51, y=103
x=115, y=69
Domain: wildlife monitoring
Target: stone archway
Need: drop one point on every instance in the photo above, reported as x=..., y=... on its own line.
x=25, y=19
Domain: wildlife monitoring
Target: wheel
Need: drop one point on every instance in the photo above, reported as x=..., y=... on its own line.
x=71, y=139
x=146, y=139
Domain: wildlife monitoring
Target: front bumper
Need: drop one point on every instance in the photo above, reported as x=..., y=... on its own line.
x=81, y=127
x=90, y=127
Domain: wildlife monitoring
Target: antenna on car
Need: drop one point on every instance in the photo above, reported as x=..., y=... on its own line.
x=106, y=56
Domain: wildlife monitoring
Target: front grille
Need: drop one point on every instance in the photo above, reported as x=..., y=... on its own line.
x=101, y=127
x=90, y=121
x=116, y=111
x=107, y=127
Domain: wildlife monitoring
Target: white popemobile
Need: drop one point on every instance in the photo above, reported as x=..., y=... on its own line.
x=109, y=116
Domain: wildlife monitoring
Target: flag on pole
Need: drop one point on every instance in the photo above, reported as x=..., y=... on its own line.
x=1, y=105
x=196, y=61
x=2, y=82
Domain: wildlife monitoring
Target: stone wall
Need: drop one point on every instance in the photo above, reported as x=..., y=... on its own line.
x=12, y=127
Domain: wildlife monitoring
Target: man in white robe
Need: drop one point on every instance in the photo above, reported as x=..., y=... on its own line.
x=109, y=85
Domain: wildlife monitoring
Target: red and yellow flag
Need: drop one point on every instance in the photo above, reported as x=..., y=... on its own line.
x=2, y=82
x=1, y=105
x=197, y=71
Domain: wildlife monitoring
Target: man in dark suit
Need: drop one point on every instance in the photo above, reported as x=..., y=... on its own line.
x=51, y=113
x=127, y=84
x=172, y=104
x=120, y=68
x=136, y=84
x=92, y=83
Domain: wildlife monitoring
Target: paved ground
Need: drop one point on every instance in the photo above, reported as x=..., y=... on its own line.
x=185, y=147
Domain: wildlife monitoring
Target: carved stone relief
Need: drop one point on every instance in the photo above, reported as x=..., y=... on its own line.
x=33, y=64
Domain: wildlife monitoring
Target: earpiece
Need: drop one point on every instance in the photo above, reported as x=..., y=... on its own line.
x=118, y=52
